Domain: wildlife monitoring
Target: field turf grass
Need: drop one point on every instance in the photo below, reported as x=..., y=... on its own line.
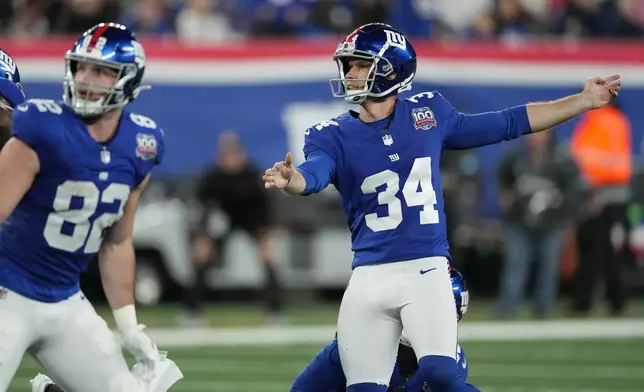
x=544, y=366
x=615, y=365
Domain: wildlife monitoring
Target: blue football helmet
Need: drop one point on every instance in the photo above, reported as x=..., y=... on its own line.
x=108, y=45
x=10, y=87
x=390, y=52
x=461, y=294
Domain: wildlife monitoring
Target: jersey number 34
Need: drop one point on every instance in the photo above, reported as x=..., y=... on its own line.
x=417, y=191
x=84, y=232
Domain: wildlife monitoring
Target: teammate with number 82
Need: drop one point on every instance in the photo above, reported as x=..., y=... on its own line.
x=384, y=162
x=70, y=180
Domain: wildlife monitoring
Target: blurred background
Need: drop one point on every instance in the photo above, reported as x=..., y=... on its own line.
x=243, y=286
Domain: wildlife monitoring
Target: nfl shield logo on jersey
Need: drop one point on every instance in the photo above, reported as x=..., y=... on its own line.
x=146, y=146
x=3, y=293
x=106, y=156
x=423, y=118
x=388, y=140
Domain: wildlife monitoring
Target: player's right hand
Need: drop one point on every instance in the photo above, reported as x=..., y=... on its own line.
x=142, y=348
x=280, y=174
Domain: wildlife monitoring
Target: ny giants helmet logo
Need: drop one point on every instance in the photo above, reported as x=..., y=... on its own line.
x=7, y=64
x=396, y=39
x=423, y=118
x=146, y=146
x=92, y=49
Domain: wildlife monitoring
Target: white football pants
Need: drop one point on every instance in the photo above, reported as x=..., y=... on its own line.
x=68, y=338
x=379, y=301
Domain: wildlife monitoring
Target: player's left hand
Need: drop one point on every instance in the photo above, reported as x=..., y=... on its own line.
x=142, y=348
x=601, y=91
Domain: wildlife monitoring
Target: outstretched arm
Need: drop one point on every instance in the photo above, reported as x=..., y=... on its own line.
x=471, y=131
x=597, y=93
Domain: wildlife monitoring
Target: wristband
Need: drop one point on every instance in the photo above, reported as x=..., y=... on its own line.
x=125, y=317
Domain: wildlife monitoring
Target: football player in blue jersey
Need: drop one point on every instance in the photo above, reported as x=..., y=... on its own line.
x=11, y=94
x=384, y=162
x=70, y=178
x=324, y=373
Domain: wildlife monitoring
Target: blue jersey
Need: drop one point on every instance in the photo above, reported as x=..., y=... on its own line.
x=388, y=175
x=324, y=373
x=81, y=190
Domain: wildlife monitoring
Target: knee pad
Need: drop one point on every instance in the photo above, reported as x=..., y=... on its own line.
x=367, y=387
x=441, y=373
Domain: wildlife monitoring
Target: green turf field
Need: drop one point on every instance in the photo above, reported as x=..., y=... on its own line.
x=545, y=366
x=615, y=364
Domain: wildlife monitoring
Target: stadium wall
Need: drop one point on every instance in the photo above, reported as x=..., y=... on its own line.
x=271, y=91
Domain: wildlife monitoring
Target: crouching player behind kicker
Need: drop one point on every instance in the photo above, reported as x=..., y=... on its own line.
x=70, y=178
x=324, y=373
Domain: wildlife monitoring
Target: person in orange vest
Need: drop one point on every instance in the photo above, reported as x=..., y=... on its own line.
x=601, y=146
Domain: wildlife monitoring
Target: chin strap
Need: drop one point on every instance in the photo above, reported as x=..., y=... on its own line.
x=138, y=91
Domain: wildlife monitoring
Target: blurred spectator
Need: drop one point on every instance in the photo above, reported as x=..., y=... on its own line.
x=453, y=183
x=234, y=186
x=622, y=19
x=6, y=14
x=200, y=21
x=331, y=16
x=508, y=20
x=30, y=19
x=150, y=17
x=428, y=18
x=275, y=18
x=369, y=11
x=601, y=145
x=577, y=18
x=538, y=190
x=76, y=16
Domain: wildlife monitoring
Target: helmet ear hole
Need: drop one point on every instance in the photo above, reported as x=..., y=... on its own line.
x=346, y=65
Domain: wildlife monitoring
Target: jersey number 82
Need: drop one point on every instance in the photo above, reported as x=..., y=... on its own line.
x=87, y=233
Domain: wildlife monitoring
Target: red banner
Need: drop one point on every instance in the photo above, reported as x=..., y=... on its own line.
x=534, y=52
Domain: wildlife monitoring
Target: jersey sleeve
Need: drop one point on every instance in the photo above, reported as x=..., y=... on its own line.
x=320, y=138
x=323, y=374
x=320, y=152
x=149, y=142
x=28, y=127
x=465, y=131
x=160, y=147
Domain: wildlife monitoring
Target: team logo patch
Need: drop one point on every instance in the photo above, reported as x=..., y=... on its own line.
x=423, y=118
x=146, y=146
